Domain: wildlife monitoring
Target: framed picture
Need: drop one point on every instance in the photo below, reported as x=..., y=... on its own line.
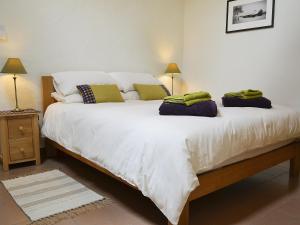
x=244, y=15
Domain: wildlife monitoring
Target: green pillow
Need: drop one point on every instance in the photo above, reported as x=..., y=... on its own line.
x=107, y=93
x=150, y=92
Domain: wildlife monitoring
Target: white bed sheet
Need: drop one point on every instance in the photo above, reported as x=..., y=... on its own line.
x=162, y=155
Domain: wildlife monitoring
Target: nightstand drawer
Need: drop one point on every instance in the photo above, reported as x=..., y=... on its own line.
x=19, y=128
x=21, y=149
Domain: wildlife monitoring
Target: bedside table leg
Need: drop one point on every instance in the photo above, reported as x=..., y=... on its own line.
x=38, y=162
x=5, y=166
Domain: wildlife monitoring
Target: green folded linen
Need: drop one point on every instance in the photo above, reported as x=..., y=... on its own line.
x=189, y=99
x=245, y=94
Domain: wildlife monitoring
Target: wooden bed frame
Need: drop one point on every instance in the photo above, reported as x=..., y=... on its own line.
x=210, y=181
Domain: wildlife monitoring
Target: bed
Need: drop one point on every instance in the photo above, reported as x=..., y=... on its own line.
x=133, y=144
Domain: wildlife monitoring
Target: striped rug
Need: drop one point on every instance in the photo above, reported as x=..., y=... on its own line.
x=49, y=193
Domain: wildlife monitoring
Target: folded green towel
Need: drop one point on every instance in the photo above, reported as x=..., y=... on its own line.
x=188, y=103
x=189, y=99
x=245, y=94
x=251, y=92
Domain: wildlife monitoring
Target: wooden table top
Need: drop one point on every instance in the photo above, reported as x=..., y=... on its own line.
x=18, y=113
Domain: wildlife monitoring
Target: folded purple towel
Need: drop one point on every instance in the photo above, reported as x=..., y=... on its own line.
x=206, y=109
x=261, y=102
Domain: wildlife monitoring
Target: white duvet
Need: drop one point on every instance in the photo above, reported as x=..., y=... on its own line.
x=161, y=155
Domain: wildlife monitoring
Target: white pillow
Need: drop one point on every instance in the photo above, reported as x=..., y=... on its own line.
x=131, y=95
x=74, y=98
x=65, y=82
x=125, y=81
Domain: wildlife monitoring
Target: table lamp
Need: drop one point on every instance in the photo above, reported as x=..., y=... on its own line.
x=173, y=69
x=14, y=66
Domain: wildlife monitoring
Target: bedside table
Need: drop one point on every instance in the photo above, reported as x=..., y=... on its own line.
x=19, y=137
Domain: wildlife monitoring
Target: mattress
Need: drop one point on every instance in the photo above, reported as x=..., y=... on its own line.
x=162, y=155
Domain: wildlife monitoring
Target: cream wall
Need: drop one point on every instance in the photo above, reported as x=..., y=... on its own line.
x=266, y=59
x=110, y=35
x=143, y=35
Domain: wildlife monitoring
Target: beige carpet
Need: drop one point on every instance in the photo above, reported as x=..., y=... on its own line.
x=49, y=193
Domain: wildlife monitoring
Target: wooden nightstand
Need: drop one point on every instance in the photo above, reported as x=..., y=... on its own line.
x=19, y=137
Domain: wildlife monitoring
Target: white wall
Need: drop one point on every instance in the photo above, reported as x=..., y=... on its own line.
x=110, y=35
x=266, y=59
x=143, y=35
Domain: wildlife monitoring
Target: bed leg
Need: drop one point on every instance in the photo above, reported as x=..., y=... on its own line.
x=185, y=215
x=50, y=150
x=295, y=164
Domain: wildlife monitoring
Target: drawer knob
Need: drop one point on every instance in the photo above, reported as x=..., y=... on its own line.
x=22, y=150
x=21, y=128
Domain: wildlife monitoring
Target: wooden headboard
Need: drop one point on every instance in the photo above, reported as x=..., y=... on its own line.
x=48, y=88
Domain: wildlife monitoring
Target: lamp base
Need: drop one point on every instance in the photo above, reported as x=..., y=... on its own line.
x=17, y=110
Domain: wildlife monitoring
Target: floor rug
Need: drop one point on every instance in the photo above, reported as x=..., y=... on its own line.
x=51, y=193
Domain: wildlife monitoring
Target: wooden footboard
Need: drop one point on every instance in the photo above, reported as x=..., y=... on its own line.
x=220, y=178
x=210, y=181
x=223, y=177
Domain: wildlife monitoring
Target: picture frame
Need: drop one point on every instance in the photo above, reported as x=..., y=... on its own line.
x=246, y=15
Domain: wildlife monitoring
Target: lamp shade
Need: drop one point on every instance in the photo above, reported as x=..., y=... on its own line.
x=13, y=66
x=173, y=68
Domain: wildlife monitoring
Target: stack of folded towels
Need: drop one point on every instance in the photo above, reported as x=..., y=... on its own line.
x=193, y=104
x=246, y=98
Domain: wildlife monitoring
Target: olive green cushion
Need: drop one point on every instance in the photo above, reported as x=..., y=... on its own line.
x=107, y=93
x=150, y=92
